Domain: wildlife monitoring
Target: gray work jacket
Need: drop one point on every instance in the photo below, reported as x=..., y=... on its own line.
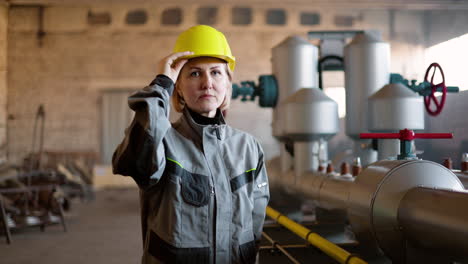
x=203, y=188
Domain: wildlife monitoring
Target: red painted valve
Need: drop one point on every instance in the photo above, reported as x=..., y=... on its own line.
x=405, y=136
x=431, y=97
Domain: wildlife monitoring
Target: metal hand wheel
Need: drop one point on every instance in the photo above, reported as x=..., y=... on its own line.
x=431, y=98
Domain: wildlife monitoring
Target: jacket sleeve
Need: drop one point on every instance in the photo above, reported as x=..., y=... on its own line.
x=261, y=196
x=141, y=153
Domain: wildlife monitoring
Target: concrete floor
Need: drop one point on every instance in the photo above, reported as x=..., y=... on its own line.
x=106, y=230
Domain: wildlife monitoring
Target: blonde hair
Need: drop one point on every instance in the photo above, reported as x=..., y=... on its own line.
x=178, y=101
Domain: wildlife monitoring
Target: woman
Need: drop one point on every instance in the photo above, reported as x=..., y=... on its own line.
x=203, y=185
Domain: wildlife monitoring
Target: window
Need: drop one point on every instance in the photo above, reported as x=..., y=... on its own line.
x=310, y=18
x=99, y=18
x=452, y=57
x=171, y=16
x=116, y=116
x=241, y=16
x=207, y=15
x=276, y=17
x=344, y=21
x=136, y=17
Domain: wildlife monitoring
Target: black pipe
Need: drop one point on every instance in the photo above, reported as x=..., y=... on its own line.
x=320, y=63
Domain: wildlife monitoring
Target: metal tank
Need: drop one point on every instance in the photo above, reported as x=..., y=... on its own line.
x=294, y=63
x=309, y=114
x=310, y=119
x=395, y=107
x=367, y=69
x=391, y=109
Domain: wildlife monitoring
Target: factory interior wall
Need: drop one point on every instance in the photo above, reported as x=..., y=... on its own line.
x=3, y=77
x=444, y=25
x=57, y=58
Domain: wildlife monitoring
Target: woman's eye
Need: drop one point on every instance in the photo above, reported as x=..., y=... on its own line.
x=216, y=72
x=195, y=74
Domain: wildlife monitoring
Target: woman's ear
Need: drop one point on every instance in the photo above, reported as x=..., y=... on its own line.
x=176, y=89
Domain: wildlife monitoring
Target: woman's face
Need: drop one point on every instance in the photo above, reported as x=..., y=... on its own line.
x=203, y=84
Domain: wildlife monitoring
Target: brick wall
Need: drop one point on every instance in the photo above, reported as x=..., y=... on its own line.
x=3, y=77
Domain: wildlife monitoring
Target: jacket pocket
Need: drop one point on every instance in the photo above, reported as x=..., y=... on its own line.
x=195, y=189
x=248, y=252
x=169, y=254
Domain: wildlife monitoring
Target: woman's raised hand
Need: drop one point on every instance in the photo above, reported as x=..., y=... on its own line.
x=172, y=64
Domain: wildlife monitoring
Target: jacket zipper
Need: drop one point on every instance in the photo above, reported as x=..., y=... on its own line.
x=218, y=134
x=213, y=193
x=214, y=223
x=215, y=202
x=218, y=150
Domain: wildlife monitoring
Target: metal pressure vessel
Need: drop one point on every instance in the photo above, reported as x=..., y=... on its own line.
x=395, y=107
x=391, y=109
x=309, y=114
x=294, y=63
x=309, y=119
x=367, y=69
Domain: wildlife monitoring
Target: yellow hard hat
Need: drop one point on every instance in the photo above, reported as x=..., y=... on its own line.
x=205, y=41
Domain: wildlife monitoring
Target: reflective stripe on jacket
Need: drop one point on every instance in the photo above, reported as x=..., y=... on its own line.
x=203, y=188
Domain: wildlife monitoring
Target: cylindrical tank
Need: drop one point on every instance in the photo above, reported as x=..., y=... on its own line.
x=391, y=109
x=395, y=107
x=294, y=63
x=367, y=69
x=310, y=115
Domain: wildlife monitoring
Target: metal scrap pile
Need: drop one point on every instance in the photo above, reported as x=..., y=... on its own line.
x=35, y=193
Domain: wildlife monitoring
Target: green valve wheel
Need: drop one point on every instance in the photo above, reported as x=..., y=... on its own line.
x=267, y=91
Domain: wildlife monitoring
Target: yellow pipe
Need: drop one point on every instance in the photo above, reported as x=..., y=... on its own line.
x=332, y=250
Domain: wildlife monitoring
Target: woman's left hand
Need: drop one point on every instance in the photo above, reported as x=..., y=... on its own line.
x=172, y=64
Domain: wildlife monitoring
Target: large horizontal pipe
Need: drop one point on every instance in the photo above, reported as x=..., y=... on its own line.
x=373, y=199
x=436, y=220
x=334, y=193
x=463, y=178
x=330, y=192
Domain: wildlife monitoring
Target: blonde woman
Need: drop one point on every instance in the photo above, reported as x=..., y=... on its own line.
x=203, y=184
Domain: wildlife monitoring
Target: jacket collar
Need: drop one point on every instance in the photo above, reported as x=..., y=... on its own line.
x=217, y=130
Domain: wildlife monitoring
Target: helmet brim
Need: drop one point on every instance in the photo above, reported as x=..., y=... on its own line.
x=230, y=61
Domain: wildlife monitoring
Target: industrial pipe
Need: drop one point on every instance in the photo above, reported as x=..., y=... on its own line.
x=332, y=250
x=463, y=177
x=372, y=199
x=330, y=191
x=435, y=220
